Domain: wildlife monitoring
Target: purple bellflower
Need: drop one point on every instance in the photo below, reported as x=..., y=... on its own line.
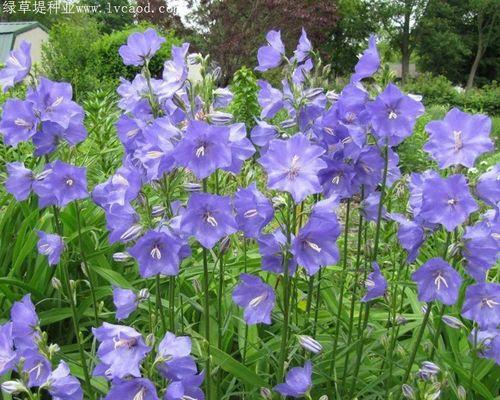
x=121, y=351
x=253, y=211
x=315, y=244
x=186, y=388
x=241, y=147
x=25, y=331
x=370, y=206
x=50, y=245
x=8, y=356
x=297, y=382
x=262, y=133
x=132, y=389
x=157, y=253
x=270, y=56
x=304, y=48
x=63, y=386
x=437, y=280
x=271, y=248
x=126, y=301
x=458, y=139
x=488, y=186
x=204, y=148
x=17, y=66
x=19, y=123
x=482, y=304
x=175, y=72
x=376, y=284
x=368, y=63
x=447, y=201
x=20, y=180
x=140, y=47
x=292, y=165
x=36, y=366
x=173, y=357
x=208, y=218
x=256, y=298
x=270, y=99
x=410, y=235
x=62, y=183
x=393, y=115
x=487, y=342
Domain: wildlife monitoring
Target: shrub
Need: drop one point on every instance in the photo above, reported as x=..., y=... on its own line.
x=244, y=106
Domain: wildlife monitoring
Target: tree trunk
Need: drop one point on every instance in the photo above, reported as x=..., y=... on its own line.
x=479, y=53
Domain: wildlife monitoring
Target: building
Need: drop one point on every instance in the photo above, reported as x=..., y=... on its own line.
x=13, y=33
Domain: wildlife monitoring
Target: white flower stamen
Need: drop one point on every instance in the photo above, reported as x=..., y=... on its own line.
x=257, y=300
x=251, y=213
x=457, y=135
x=313, y=246
x=490, y=303
x=440, y=280
x=70, y=182
x=156, y=253
x=392, y=115
x=200, y=151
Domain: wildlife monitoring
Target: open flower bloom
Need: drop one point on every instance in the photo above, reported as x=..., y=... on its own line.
x=173, y=358
x=458, y=139
x=271, y=248
x=410, y=235
x=256, y=297
x=121, y=351
x=270, y=56
x=437, y=280
x=488, y=186
x=253, y=210
x=140, y=47
x=62, y=386
x=157, y=253
x=292, y=165
x=208, y=218
x=262, y=133
x=447, y=201
x=17, y=66
x=204, y=148
x=376, y=284
x=270, y=99
x=61, y=184
x=19, y=123
x=50, y=245
x=488, y=343
x=482, y=304
x=36, y=366
x=25, y=323
x=186, y=388
x=19, y=181
x=297, y=382
x=8, y=357
x=368, y=63
x=304, y=48
x=125, y=301
x=132, y=389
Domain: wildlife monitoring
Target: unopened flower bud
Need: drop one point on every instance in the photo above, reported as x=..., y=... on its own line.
x=225, y=244
x=143, y=295
x=408, y=392
x=84, y=269
x=131, y=233
x=461, y=393
x=433, y=395
x=121, y=256
x=220, y=118
x=324, y=397
x=424, y=309
x=157, y=211
x=14, y=387
x=192, y=187
x=42, y=175
x=53, y=349
x=56, y=283
x=332, y=96
x=310, y=344
x=72, y=285
x=288, y=123
x=150, y=340
x=430, y=367
x=312, y=93
x=400, y=320
x=196, y=285
x=452, y=322
x=454, y=248
x=266, y=393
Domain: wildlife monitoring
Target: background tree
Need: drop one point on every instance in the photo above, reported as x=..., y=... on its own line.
x=109, y=22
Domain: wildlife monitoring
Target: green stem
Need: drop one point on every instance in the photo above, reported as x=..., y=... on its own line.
x=245, y=268
x=342, y=283
x=85, y=264
x=206, y=313
x=318, y=300
x=159, y=305
x=220, y=317
x=171, y=303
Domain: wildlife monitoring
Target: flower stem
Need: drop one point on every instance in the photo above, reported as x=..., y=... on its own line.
x=159, y=305
x=207, y=321
x=85, y=263
x=342, y=283
x=171, y=303
x=220, y=317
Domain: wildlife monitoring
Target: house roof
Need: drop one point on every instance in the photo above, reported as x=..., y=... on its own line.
x=8, y=33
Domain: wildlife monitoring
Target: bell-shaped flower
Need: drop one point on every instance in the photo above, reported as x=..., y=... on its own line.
x=50, y=245
x=253, y=210
x=256, y=298
x=140, y=47
x=376, y=284
x=270, y=56
x=482, y=304
x=297, y=382
x=17, y=66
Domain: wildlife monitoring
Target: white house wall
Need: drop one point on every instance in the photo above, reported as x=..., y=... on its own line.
x=35, y=36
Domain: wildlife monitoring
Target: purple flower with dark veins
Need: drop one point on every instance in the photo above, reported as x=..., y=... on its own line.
x=271, y=248
x=63, y=386
x=393, y=115
x=8, y=357
x=292, y=165
x=204, y=148
x=376, y=284
x=157, y=253
x=132, y=389
x=256, y=298
x=297, y=382
x=270, y=99
x=62, y=183
x=17, y=66
x=482, y=304
x=437, y=280
x=121, y=351
x=50, y=245
x=447, y=201
x=270, y=56
x=18, y=123
x=253, y=211
x=458, y=139
x=186, y=389
x=337, y=178
x=25, y=324
x=368, y=63
x=140, y=47
x=315, y=244
x=208, y=218
x=488, y=186
x=19, y=181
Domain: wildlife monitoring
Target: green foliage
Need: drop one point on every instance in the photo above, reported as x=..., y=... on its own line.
x=109, y=22
x=244, y=106
x=439, y=90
